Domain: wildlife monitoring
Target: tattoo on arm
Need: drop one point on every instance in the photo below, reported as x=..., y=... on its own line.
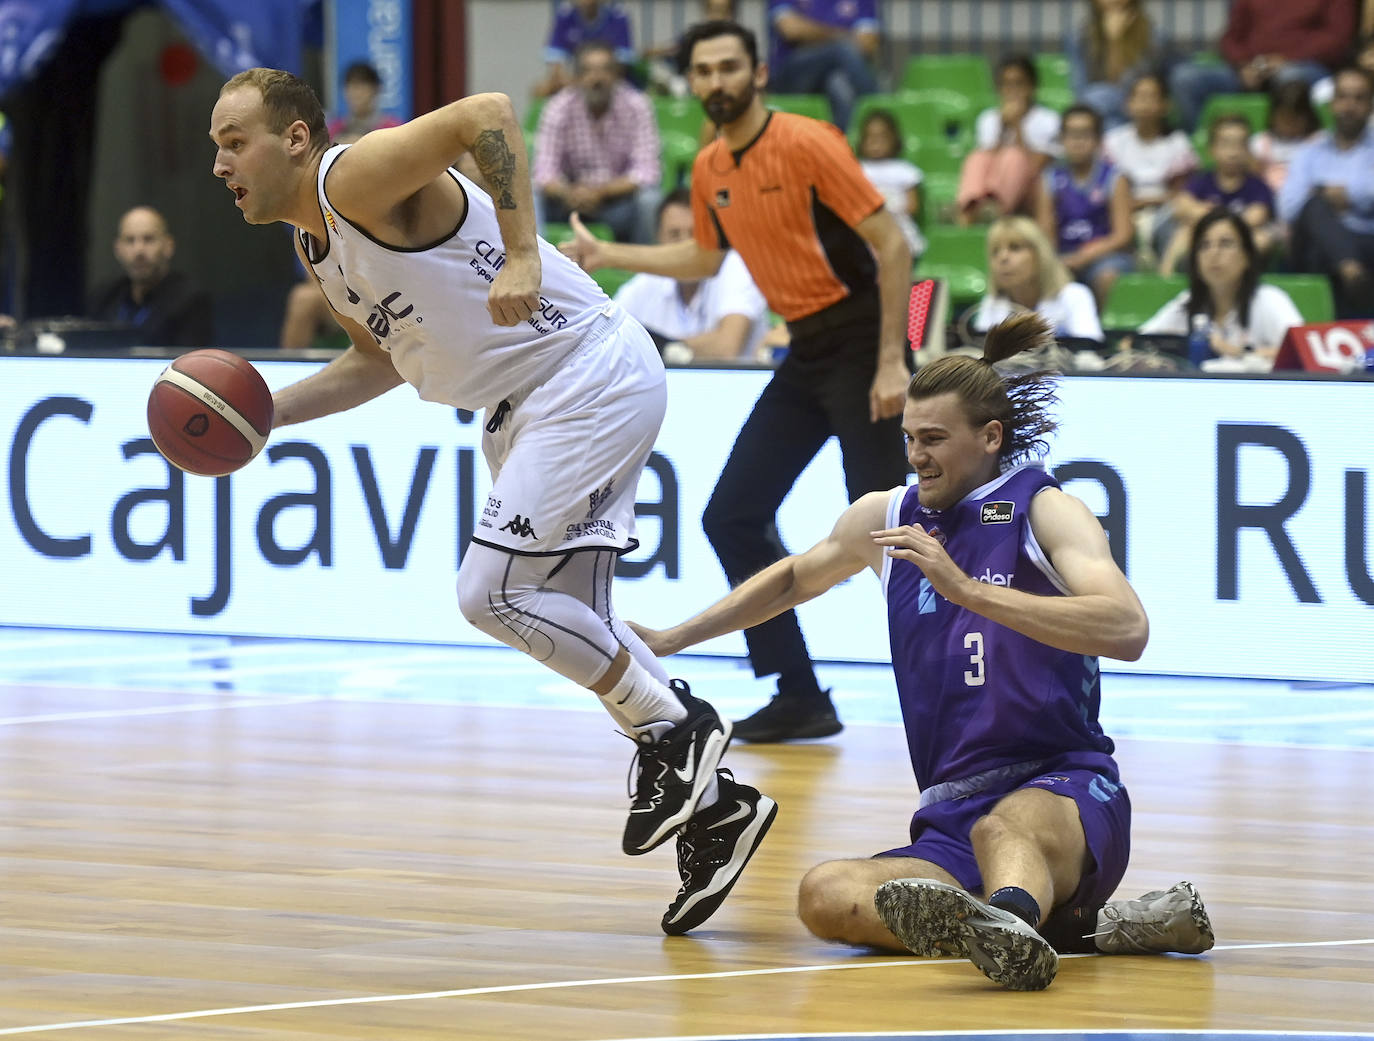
x=497, y=163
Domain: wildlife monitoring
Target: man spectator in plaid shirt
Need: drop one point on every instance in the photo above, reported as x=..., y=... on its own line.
x=596, y=150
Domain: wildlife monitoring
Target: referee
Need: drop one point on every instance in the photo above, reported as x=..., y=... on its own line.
x=787, y=193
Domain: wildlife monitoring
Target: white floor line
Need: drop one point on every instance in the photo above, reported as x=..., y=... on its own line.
x=518, y=988
x=1201, y=1035
x=238, y=701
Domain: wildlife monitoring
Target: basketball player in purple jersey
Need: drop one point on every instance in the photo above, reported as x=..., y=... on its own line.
x=1001, y=594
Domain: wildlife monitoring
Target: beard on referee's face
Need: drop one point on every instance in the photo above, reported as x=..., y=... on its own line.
x=724, y=108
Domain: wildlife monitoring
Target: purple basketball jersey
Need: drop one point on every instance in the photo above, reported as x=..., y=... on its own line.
x=1084, y=211
x=976, y=695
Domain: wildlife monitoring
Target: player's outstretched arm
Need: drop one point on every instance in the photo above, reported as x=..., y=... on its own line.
x=1100, y=615
x=685, y=259
x=358, y=375
x=846, y=551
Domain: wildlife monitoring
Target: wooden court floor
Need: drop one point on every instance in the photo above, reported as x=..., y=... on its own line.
x=215, y=866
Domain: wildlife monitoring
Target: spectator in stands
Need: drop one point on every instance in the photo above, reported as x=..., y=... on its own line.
x=1230, y=184
x=1328, y=198
x=1024, y=274
x=666, y=66
x=577, y=22
x=1267, y=44
x=1292, y=123
x=1084, y=206
x=1362, y=56
x=1116, y=42
x=880, y=156
x=362, y=90
x=596, y=150
x=824, y=47
x=720, y=318
x=1247, y=321
x=164, y=305
x=1155, y=159
x=1014, y=142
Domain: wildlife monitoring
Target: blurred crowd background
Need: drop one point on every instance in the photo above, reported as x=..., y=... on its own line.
x=957, y=107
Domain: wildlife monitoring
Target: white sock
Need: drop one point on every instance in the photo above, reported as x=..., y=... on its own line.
x=643, y=705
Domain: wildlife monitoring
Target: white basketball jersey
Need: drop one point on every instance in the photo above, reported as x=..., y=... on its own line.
x=427, y=306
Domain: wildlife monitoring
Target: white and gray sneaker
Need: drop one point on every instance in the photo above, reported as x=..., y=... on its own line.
x=932, y=918
x=1165, y=921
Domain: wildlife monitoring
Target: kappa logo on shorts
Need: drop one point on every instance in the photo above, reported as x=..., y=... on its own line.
x=599, y=498
x=522, y=526
x=997, y=512
x=722, y=198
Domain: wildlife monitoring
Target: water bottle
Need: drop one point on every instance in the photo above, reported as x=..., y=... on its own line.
x=1200, y=340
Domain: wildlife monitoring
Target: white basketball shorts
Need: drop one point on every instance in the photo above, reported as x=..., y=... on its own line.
x=566, y=460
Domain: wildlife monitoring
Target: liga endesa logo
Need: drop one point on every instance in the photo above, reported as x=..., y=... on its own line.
x=150, y=520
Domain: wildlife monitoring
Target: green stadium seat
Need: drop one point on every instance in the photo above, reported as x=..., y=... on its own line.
x=964, y=74
x=939, y=192
x=1254, y=107
x=817, y=106
x=557, y=231
x=1056, y=87
x=1310, y=293
x=1135, y=298
x=928, y=123
x=532, y=113
x=958, y=256
x=677, y=151
x=611, y=279
x=678, y=115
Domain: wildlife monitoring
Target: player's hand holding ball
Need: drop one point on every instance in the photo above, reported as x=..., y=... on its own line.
x=210, y=413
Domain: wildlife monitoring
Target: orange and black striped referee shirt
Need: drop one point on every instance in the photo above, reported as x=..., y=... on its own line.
x=788, y=202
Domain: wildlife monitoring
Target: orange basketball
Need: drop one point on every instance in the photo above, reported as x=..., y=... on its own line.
x=210, y=413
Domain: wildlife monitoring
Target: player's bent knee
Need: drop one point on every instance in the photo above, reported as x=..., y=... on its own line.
x=826, y=901
x=481, y=581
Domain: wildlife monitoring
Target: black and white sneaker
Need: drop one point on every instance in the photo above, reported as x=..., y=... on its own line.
x=713, y=848
x=673, y=772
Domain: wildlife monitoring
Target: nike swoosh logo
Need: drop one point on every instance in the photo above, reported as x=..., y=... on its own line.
x=740, y=814
x=686, y=774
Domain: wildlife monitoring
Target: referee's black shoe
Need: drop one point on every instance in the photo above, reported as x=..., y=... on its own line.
x=790, y=718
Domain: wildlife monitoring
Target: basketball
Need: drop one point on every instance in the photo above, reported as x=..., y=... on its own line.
x=210, y=413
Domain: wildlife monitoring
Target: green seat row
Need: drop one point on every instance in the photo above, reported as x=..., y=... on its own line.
x=1136, y=297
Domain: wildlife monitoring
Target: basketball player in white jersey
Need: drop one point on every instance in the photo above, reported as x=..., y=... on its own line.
x=443, y=284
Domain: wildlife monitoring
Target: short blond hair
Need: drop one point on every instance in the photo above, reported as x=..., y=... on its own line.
x=1050, y=270
x=285, y=99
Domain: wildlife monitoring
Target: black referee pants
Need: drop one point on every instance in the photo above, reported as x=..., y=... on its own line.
x=820, y=390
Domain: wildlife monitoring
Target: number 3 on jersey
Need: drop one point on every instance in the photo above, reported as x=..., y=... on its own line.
x=976, y=676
